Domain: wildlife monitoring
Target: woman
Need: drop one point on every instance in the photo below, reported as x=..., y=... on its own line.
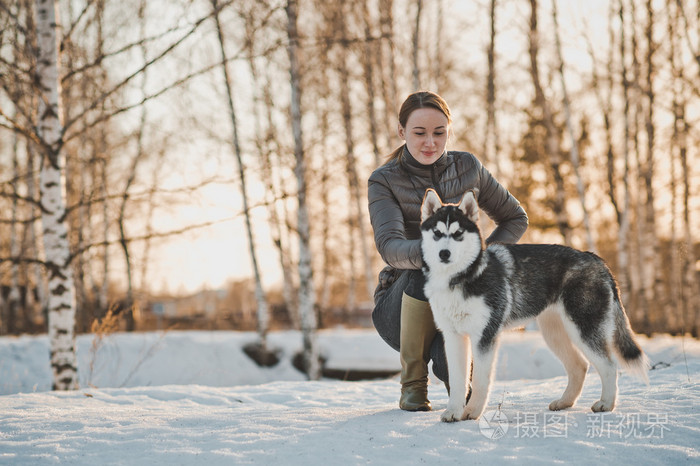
x=402, y=315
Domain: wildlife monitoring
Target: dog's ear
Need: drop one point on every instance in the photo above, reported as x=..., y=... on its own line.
x=469, y=206
x=431, y=203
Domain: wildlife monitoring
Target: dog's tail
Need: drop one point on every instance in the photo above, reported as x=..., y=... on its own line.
x=630, y=354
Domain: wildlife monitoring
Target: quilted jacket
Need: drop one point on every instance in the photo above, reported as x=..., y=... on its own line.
x=396, y=189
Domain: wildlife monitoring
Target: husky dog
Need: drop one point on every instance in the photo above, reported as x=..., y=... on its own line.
x=476, y=292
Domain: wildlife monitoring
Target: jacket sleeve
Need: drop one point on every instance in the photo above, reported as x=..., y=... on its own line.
x=389, y=229
x=504, y=209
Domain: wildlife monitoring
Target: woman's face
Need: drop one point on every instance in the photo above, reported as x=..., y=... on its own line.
x=425, y=134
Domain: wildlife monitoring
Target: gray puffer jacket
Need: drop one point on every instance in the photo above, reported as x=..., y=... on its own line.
x=396, y=192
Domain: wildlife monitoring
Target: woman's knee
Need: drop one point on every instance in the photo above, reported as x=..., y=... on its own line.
x=415, y=288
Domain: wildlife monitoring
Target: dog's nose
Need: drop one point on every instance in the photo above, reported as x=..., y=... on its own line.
x=445, y=255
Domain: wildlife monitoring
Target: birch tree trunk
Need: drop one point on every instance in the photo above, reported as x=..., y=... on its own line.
x=61, y=290
x=307, y=299
x=491, y=140
x=552, y=138
x=132, y=306
x=325, y=183
x=624, y=274
x=691, y=288
x=261, y=300
x=326, y=274
x=41, y=304
x=575, y=160
x=416, y=45
x=368, y=63
x=653, y=272
x=441, y=78
x=280, y=235
x=103, y=296
x=9, y=323
x=387, y=67
x=639, y=306
x=267, y=143
x=689, y=283
x=357, y=217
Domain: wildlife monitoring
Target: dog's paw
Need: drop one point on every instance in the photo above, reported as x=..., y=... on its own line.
x=472, y=412
x=452, y=415
x=558, y=405
x=601, y=406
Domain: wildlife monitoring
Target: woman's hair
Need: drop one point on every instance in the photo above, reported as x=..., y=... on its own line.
x=415, y=101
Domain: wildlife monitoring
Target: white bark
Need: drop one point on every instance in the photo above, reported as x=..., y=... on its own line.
x=575, y=159
x=387, y=69
x=52, y=186
x=41, y=303
x=416, y=45
x=624, y=220
x=491, y=140
x=261, y=301
x=9, y=324
x=280, y=235
x=653, y=272
x=103, y=297
x=368, y=62
x=307, y=298
x=552, y=137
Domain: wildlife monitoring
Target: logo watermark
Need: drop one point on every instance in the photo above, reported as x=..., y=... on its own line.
x=496, y=424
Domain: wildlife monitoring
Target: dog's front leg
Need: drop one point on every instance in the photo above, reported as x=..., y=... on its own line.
x=456, y=351
x=481, y=379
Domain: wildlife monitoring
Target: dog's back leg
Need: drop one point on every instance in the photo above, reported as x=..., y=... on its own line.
x=607, y=369
x=558, y=340
x=596, y=348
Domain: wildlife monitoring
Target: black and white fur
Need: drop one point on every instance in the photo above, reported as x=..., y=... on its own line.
x=476, y=292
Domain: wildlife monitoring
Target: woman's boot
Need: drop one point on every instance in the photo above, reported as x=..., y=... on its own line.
x=417, y=333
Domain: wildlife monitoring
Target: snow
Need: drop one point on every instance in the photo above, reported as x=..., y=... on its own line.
x=196, y=398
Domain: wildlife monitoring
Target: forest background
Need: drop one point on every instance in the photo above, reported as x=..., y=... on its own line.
x=151, y=151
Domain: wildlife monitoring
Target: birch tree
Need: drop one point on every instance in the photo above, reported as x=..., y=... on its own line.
x=357, y=224
x=132, y=305
x=575, y=159
x=653, y=272
x=269, y=148
x=387, y=68
x=260, y=299
x=279, y=221
x=368, y=64
x=491, y=140
x=36, y=251
x=416, y=46
x=688, y=291
x=307, y=298
x=551, y=144
x=53, y=203
x=623, y=217
x=13, y=298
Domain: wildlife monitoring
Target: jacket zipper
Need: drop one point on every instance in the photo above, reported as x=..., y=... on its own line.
x=436, y=184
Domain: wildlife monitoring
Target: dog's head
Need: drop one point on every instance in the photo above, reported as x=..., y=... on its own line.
x=451, y=237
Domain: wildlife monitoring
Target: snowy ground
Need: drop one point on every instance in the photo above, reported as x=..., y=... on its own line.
x=195, y=398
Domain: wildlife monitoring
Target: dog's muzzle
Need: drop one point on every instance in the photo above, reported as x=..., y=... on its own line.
x=444, y=255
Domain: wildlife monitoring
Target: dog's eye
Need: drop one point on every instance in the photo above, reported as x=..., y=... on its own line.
x=438, y=234
x=458, y=235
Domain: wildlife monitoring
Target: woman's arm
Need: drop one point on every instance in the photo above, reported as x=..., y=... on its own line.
x=504, y=209
x=389, y=229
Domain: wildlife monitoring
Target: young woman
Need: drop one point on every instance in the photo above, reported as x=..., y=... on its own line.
x=402, y=315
